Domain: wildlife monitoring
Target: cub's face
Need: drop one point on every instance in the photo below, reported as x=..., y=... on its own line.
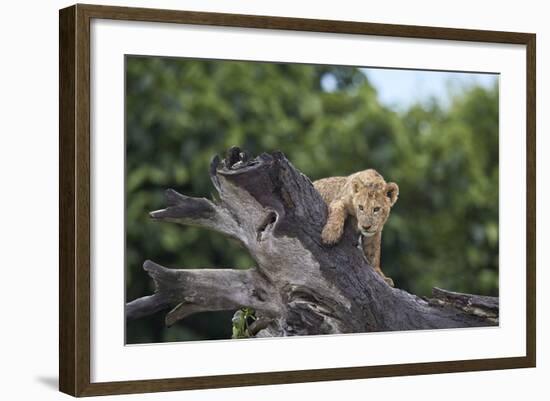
x=372, y=205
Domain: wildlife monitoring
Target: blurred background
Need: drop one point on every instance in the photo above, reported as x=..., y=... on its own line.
x=434, y=133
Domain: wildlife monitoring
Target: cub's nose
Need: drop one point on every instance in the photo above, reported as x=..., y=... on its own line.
x=366, y=228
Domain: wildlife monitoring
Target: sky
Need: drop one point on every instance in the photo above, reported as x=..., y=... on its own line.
x=399, y=89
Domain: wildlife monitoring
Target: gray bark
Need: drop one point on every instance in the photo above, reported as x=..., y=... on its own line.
x=299, y=286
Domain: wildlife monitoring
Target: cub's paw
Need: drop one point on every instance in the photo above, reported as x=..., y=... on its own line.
x=331, y=234
x=389, y=281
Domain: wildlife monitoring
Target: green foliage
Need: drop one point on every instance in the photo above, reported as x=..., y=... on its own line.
x=241, y=321
x=443, y=231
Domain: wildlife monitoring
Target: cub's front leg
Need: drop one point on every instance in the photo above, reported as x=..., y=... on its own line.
x=334, y=228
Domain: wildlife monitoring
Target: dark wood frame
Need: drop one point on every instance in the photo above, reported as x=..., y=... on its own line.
x=74, y=199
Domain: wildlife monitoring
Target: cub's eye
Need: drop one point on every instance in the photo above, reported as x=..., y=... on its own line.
x=360, y=207
x=376, y=209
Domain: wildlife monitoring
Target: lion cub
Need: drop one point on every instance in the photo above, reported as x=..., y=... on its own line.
x=367, y=198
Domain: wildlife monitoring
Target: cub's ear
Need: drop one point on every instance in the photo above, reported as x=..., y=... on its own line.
x=392, y=192
x=356, y=185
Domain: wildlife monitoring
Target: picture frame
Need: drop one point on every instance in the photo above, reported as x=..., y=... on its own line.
x=76, y=205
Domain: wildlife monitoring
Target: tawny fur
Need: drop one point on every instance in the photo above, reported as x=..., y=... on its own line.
x=365, y=197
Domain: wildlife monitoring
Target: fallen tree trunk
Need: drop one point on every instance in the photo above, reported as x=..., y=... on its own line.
x=299, y=286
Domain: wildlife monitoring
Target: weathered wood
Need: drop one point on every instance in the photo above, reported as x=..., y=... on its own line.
x=478, y=305
x=198, y=290
x=299, y=286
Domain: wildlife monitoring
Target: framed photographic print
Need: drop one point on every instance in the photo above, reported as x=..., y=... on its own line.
x=251, y=200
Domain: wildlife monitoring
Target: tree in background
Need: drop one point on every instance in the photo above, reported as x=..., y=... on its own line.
x=179, y=113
